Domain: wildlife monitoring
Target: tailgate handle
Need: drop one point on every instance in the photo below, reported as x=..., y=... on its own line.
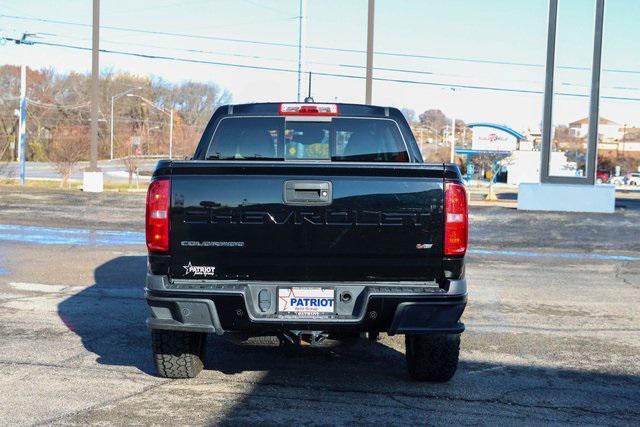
x=307, y=193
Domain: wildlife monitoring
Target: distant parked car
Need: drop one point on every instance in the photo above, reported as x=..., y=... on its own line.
x=628, y=179
x=617, y=180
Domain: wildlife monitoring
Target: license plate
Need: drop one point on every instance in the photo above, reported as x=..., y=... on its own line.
x=306, y=301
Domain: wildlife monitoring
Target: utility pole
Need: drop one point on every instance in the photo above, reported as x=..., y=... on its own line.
x=369, y=78
x=95, y=76
x=453, y=138
x=92, y=177
x=301, y=13
x=171, y=135
x=22, y=123
x=624, y=143
x=111, y=130
x=453, y=126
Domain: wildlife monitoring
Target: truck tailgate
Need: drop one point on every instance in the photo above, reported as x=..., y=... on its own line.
x=305, y=222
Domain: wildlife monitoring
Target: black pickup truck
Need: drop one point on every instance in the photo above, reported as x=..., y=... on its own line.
x=307, y=222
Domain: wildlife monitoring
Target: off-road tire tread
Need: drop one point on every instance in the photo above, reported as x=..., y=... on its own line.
x=432, y=358
x=178, y=354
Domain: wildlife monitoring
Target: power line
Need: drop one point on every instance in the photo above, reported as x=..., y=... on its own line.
x=249, y=56
x=331, y=64
x=320, y=73
x=323, y=48
x=152, y=32
x=58, y=106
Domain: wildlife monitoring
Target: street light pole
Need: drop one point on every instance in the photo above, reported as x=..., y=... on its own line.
x=113, y=98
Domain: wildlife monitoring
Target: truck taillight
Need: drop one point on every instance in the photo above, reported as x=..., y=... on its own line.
x=456, y=219
x=308, y=109
x=157, y=216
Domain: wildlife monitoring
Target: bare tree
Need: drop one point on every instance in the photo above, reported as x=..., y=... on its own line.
x=67, y=149
x=409, y=114
x=60, y=100
x=434, y=118
x=131, y=163
x=5, y=170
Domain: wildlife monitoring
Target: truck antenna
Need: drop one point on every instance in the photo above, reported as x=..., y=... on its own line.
x=309, y=98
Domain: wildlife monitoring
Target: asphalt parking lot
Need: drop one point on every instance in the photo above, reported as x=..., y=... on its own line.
x=553, y=330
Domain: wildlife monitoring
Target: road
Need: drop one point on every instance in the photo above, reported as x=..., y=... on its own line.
x=114, y=170
x=553, y=331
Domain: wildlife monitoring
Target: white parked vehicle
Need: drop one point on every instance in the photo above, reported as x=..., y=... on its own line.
x=631, y=179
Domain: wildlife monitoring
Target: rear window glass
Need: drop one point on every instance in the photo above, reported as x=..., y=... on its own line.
x=365, y=140
x=307, y=140
x=250, y=138
x=340, y=139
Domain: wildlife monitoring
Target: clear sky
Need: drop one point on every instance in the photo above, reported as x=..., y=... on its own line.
x=511, y=31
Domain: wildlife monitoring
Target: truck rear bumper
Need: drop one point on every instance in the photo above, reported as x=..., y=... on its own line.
x=220, y=307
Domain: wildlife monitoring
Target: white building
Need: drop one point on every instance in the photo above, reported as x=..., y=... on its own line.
x=606, y=128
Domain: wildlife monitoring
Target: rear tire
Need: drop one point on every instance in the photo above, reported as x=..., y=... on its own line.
x=432, y=358
x=178, y=354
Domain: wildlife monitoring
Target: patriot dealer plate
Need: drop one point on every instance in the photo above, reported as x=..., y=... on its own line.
x=306, y=301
